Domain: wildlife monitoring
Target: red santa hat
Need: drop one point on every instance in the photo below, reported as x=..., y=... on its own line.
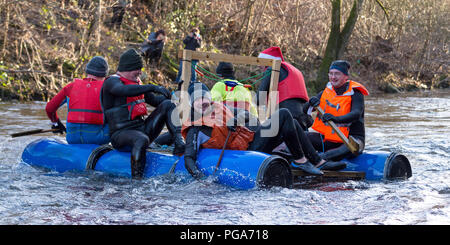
x=272, y=53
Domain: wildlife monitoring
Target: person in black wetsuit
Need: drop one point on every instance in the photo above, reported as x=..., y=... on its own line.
x=123, y=101
x=203, y=129
x=343, y=103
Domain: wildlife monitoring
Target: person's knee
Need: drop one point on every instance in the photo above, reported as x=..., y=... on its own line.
x=284, y=113
x=141, y=142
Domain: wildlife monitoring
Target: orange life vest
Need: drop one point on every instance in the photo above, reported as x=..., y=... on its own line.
x=217, y=119
x=337, y=105
x=84, y=102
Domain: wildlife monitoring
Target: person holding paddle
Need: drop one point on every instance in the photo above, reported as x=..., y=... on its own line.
x=85, y=123
x=340, y=130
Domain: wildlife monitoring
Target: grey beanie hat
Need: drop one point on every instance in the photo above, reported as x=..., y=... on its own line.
x=97, y=66
x=198, y=90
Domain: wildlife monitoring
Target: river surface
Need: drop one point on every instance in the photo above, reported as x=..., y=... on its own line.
x=414, y=124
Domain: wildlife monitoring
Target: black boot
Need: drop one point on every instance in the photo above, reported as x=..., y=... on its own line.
x=178, y=141
x=331, y=165
x=138, y=165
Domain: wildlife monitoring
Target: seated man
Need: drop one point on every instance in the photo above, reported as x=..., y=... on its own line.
x=85, y=114
x=153, y=46
x=211, y=122
x=231, y=92
x=343, y=103
x=124, y=101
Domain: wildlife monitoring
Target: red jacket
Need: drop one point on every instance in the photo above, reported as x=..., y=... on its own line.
x=84, y=102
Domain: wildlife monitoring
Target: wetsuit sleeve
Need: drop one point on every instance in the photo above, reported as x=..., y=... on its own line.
x=191, y=151
x=154, y=100
x=52, y=106
x=117, y=88
x=356, y=111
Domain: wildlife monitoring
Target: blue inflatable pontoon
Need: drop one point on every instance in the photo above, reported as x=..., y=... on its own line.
x=238, y=169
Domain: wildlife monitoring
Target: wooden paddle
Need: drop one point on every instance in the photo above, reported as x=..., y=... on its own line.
x=351, y=143
x=36, y=131
x=221, y=154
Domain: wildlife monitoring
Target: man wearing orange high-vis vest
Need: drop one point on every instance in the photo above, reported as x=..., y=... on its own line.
x=343, y=103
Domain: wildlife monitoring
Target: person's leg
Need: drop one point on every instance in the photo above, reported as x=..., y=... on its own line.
x=135, y=141
x=310, y=152
x=336, y=151
x=307, y=147
x=193, y=72
x=286, y=129
x=164, y=139
x=165, y=114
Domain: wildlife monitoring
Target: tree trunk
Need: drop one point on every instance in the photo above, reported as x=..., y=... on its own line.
x=98, y=24
x=337, y=40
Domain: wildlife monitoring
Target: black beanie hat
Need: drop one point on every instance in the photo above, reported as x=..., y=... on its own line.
x=340, y=65
x=225, y=69
x=197, y=90
x=130, y=60
x=97, y=66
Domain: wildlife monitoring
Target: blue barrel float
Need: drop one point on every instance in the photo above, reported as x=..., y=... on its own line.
x=238, y=169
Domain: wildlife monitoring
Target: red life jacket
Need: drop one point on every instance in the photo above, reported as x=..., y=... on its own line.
x=136, y=104
x=84, y=102
x=293, y=86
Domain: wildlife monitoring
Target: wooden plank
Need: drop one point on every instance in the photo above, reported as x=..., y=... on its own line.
x=272, y=102
x=236, y=59
x=351, y=143
x=333, y=174
x=186, y=77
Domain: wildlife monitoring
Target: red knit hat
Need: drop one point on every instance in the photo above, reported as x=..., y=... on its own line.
x=272, y=53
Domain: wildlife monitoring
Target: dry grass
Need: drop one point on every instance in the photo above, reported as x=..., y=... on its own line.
x=52, y=40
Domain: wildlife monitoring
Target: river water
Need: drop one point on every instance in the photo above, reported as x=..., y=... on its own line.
x=415, y=124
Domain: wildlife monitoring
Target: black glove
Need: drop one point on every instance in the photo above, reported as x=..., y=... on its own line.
x=328, y=117
x=314, y=101
x=162, y=90
x=59, y=125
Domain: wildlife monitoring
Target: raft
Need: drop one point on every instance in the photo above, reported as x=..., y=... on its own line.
x=238, y=169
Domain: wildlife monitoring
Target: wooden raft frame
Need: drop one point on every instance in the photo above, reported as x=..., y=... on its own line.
x=333, y=174
x=188, y=55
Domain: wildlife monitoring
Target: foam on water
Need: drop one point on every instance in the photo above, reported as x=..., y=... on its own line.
x=416, y=125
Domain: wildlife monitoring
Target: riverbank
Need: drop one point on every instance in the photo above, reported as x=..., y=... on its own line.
x=46, y=44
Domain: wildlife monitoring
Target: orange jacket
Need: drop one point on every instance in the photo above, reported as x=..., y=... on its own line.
x=217, y=119
x=337, y=105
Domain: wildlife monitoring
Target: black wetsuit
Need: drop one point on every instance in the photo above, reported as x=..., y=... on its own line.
x=294, y=105
x=298, y=144
x=135, y=135
x=338, y=151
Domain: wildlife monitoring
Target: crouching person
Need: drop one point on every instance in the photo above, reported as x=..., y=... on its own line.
x=124, y=101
